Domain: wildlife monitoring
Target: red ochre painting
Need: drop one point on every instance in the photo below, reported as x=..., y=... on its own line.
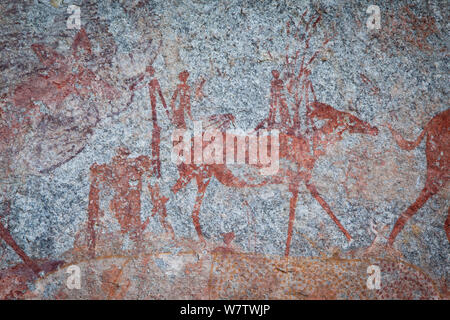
x=109, y=189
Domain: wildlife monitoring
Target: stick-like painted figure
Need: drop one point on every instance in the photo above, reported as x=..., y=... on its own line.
x=124, y=175
x=154, y=89
x=278, y=103
x=438, y=155
x=184, y=91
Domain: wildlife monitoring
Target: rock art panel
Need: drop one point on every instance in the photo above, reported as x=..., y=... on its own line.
x=235, y=150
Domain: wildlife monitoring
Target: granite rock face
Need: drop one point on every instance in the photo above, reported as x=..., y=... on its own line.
x=87, y=114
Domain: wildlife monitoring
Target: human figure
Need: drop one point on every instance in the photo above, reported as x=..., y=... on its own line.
x=278, y=103
x=124, y=175
x=184, y=91
x=154, y=89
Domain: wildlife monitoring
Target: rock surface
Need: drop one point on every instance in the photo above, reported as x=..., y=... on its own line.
x=87, y=177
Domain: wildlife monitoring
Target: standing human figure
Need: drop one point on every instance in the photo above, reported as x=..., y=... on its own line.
x=154, y=89
x=278, y=103
x=123, y=177
x=184, y=91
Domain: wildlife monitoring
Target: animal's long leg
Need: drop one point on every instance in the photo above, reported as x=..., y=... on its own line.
x=327, y=208
x=156, y=137
x=6, y=236
x=425, y=194
x=202, y=183
x=292, y=207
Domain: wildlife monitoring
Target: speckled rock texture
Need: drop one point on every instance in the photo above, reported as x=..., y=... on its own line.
x=87, y=179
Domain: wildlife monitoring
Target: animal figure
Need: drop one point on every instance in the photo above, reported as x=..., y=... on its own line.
x=295, y=151
x=301, y=143
x=437, y=133
x=34, y=120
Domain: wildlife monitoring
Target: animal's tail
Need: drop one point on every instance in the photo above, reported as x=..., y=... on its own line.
x=405, y=144
x=227, y=178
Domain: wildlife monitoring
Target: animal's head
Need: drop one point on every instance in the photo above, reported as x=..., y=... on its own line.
x=81, y=46
x=47, y=56
x=81, y=51
x=81, y=55
x=62, y=83
x=72, y=73
x=339, y=121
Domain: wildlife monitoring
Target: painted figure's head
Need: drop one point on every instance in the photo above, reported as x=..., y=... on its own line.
x=276, y=74
x=183, y=76
x=341, y=121
x=150, y=71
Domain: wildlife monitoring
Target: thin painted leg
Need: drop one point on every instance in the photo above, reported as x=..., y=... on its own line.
x=6, y=236
x=327, y=208
x=292, y=208
x=425, y=194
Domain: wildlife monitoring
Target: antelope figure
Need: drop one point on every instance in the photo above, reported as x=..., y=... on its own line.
x=295, y=150
x=299, y=148
x=437, y=133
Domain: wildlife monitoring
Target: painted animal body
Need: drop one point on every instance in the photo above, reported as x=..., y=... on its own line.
x=296, y=151
x=437, y=134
